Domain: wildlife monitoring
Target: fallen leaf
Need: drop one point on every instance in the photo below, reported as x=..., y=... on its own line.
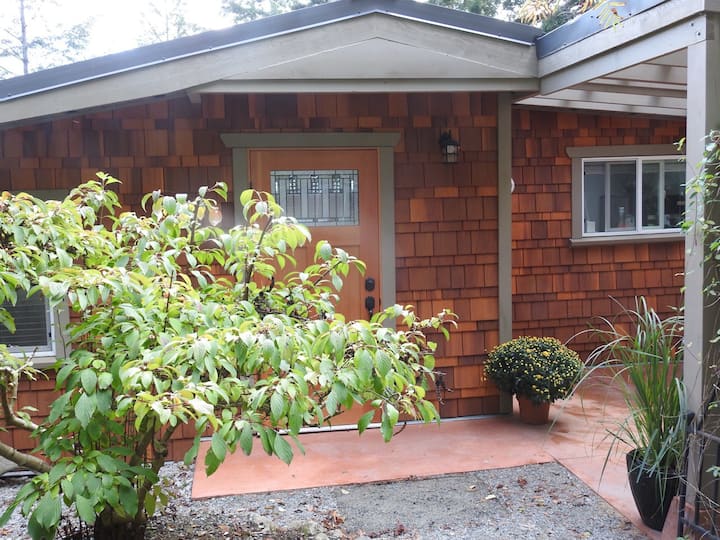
x=522, y=482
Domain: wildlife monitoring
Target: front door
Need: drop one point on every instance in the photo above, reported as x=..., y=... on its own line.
x=334, y=192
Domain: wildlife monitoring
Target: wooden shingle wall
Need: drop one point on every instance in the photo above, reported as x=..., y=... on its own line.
x=558, y=289
x=446, y=215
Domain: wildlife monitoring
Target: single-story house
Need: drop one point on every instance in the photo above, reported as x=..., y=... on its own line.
x=567, y=188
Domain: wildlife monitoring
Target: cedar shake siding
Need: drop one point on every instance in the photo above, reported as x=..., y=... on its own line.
x=558, y=289
x=446, y=236
x=446, y=215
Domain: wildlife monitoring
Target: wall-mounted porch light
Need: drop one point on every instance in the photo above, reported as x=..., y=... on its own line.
x=449, y=147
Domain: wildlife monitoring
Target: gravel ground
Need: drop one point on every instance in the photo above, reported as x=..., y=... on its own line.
x=530, y=502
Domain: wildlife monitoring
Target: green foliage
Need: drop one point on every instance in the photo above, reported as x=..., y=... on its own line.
x=645, y=353
x=481, y=7
x=179, y=323
x=249, y=10
x=541, y=369
x=704, y=195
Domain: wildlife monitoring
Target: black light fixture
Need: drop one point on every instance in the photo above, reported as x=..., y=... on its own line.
x=449, y=147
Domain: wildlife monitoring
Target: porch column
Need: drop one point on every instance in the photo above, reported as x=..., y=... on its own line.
x=504, y=134
x=703, y=114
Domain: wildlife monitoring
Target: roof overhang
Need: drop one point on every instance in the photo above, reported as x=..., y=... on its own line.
x=414, y=47
x=636, y=66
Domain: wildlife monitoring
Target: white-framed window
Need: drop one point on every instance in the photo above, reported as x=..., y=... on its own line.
x=39, y=330
x=621, y=195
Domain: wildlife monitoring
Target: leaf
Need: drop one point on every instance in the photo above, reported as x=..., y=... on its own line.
x=246, y=439
x=85, y=509
x=277, y=406
x=37, y=531
x=331, y=403
x=364, y=421
x=219, y=446
x=390, y=417
x=128, y=500
x=88, y=378
x=104, y=380
x=150, y=503
x=323, y=251
x=200, y=406
x=282, y=449
x=84, y=409
x=211, y=462
x=107, y=463
x=47, y=512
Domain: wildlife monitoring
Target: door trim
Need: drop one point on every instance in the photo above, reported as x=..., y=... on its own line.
x=241, y=143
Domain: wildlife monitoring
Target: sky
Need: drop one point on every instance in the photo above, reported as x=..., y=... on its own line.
x=116, y=24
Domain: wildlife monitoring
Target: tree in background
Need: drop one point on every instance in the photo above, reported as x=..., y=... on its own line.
x=488, y=8
x=550, y=14
x=163, y=20
x=32, y=42
x=249, y=10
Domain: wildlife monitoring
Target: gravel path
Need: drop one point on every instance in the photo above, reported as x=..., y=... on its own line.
x=530, y=502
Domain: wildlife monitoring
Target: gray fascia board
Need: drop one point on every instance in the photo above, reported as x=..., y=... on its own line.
x=667, y=40
x=586, y=25
x=261, y=29
x=616, y=40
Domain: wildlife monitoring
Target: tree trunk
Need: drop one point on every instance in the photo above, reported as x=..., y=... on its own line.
x=119, y=531
x=109, y=526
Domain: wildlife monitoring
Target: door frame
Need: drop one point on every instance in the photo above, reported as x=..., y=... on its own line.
x=384, y=143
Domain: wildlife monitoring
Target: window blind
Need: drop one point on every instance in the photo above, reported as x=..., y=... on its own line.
x=33, y=330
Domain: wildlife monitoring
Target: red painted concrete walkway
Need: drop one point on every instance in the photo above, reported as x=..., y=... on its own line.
x=577, y=440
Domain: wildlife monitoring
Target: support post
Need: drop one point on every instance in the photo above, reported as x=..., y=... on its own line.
x=504, y=195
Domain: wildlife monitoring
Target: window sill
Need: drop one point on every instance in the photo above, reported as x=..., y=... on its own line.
x=610, y=240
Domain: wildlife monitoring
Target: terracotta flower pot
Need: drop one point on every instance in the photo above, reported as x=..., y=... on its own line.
x=533, y=413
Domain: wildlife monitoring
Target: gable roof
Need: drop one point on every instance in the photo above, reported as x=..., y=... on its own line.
x=378, y=41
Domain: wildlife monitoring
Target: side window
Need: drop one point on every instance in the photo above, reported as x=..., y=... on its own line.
x=619, y=194
x=38, y=329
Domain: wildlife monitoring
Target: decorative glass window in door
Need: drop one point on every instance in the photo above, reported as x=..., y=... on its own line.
x=318, y=197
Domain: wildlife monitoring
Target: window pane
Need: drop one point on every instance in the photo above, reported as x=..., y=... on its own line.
x=622, y=196
x=594, y=195
x=674, y=196
x=31, y=324
x=318, y=197
x=651, y=203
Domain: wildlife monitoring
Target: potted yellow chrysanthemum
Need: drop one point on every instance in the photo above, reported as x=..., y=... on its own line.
x=537, y=370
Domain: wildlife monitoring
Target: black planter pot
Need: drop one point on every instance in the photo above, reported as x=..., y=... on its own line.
x=652, y=495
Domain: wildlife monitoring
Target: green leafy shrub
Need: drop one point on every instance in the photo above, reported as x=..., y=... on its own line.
x=541, y=369
x=178, y=322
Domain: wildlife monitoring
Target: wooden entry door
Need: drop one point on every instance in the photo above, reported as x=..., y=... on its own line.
x=334, y=192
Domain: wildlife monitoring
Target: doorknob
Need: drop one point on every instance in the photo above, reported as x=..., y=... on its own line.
x=370, y=284
x=370, y=304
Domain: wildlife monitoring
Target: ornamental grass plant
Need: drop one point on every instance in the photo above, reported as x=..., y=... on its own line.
x=644, y=352
x=541, y=369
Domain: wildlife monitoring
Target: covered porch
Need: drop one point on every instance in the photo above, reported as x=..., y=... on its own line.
x=576, y=439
